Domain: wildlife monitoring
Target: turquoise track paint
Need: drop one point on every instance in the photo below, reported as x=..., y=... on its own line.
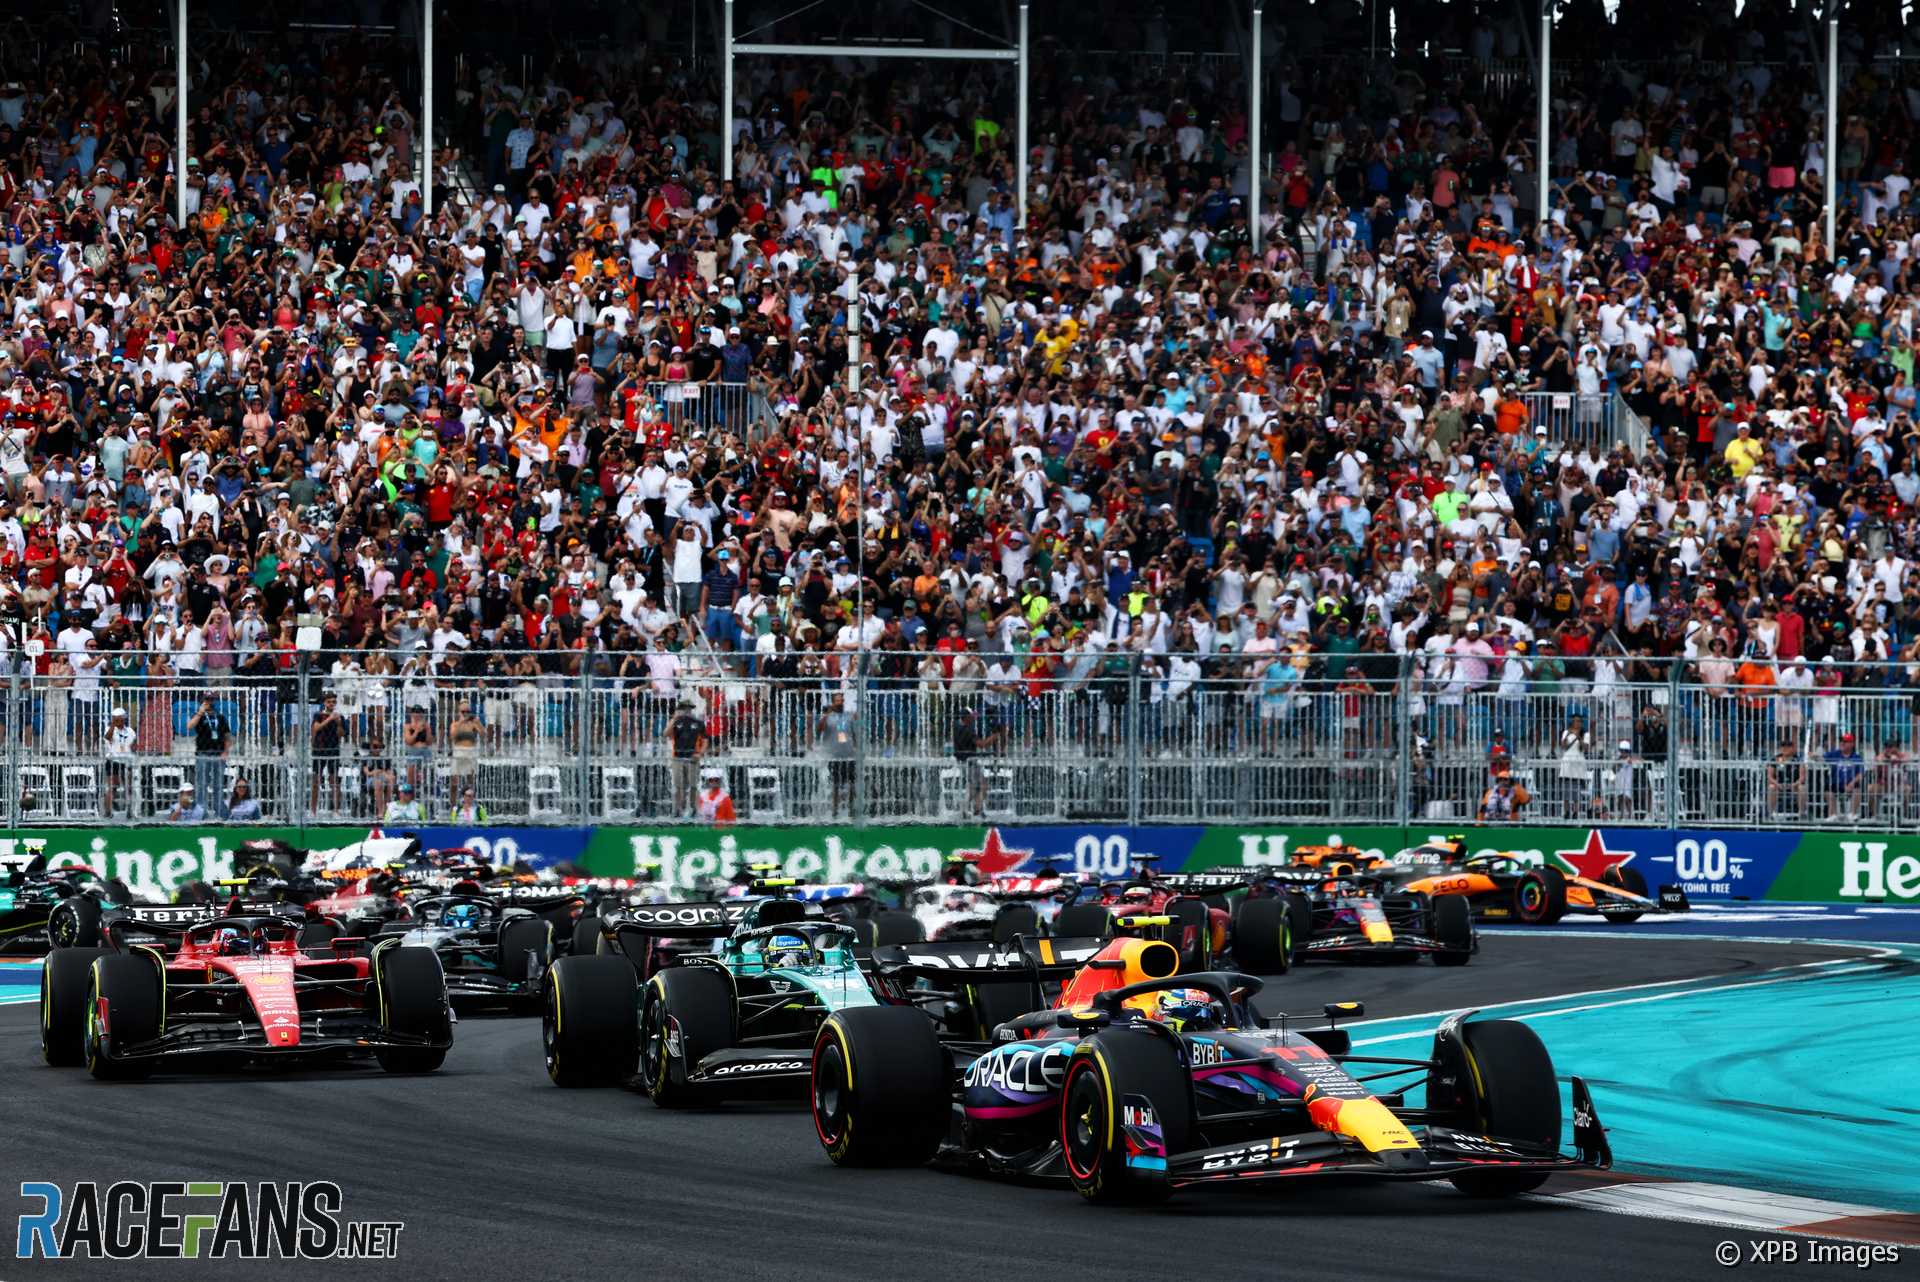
x=19, y=982
x=1798, y=1080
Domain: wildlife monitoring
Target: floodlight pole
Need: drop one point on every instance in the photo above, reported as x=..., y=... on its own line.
x=1545, y=159
x=1833, y=122
x=426, y=109
x=1254, y=113
x=180, y=114
x=1020, y=123
x=726, y=91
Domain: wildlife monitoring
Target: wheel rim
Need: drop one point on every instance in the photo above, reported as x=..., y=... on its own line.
x=829, y=1095
x=94, y=1038
x=1532, y=897
x=62, y=927
x=549, y=1030
x=1079, y=1129
x=653, y=1041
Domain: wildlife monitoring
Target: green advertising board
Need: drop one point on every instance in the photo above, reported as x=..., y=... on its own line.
x=1735, y=864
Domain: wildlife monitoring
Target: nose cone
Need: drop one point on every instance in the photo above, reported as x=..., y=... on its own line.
x=1403, y=1159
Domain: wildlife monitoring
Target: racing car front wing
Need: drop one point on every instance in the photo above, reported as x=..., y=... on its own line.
x=329, y=1034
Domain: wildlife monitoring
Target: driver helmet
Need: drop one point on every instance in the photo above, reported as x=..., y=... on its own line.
x=231, y=941
x=461, y=916
x=1185, y=1008
x=956, y=903
x=786, y=950
x=1136, y=895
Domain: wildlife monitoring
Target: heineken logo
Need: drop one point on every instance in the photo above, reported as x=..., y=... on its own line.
x=149, y=874
x=680, y=864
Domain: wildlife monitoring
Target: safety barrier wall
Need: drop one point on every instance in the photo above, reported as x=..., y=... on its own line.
x=1712, y=864
x=572, y=739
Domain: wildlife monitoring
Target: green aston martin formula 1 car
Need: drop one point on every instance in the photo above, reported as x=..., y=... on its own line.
x=43, y=908
x=695, y=1022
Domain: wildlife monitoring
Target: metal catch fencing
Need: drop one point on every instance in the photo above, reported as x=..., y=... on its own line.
x=915, y=736
x=717, y=407
x=1577, y=420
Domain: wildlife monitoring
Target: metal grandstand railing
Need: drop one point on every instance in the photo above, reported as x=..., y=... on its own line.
x=1602, y=420
x=565, y=737
x=739, y=408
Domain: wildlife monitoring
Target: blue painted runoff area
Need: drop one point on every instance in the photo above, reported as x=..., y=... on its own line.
x=1850, y=923
x=19, y=982
x=1797, y=1079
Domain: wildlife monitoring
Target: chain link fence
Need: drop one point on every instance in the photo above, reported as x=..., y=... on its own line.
x=573, y=738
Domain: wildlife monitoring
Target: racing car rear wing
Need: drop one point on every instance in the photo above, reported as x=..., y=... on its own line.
x=694, y=920
x=158, y=925
x=1042, y=959
x=1209, y=883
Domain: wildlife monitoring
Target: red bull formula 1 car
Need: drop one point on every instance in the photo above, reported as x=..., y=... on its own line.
x=1139, y=1080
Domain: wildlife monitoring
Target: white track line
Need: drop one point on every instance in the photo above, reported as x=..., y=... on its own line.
x=1625, y=1001
x=1881, y=955
x=1723, y=1206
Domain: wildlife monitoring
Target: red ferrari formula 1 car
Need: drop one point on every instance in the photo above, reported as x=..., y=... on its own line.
x=1194, y=925
x=237, y=989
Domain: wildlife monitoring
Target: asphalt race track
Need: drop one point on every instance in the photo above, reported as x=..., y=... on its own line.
x=498, y=1174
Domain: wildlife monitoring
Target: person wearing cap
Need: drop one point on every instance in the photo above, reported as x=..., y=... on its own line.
x=187, y=810
x=405, y=806
x=1787, y=780
x=714, y=804
x=686, y=736
x=117, y=746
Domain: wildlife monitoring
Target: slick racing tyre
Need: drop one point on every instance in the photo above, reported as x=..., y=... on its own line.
x=1540, y=897
x=1630, y=881
x=891, y=926
x=881, y=1087
x=123, y=1010
x=65, y=982
x=1125, y=1092
x=1515, y=1097
x=584, y=940
x=1083, y=921
x=412, y=992
x=589, y=1021
x=525, y=948
x=1450, y=923
x=1015, y=919
x=1264, y=934
x=686, y=1013
x=74, y=923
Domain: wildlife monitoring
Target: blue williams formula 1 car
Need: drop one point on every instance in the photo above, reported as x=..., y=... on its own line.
x=1138, y=1081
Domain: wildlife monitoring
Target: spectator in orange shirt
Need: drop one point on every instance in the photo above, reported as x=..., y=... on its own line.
x=1755, y=680
x=1510, y=413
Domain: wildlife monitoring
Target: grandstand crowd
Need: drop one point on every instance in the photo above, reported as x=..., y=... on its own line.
x=594, y=407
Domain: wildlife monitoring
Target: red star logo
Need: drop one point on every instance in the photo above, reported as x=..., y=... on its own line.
x=992, y=858
x=1594, y=859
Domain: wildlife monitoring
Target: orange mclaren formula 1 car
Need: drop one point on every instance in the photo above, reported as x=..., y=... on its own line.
x=1503, y=888
x=1136, y=1080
